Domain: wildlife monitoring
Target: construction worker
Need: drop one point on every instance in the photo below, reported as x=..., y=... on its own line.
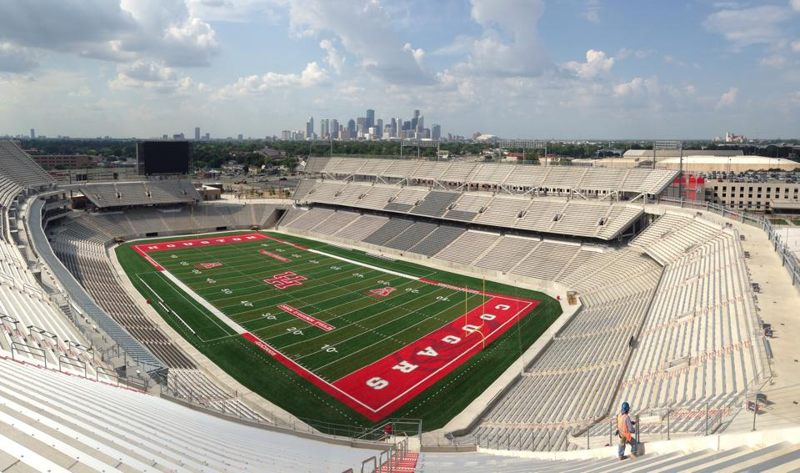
x=625, y=430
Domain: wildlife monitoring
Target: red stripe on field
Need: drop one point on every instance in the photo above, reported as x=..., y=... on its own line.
x=294, y=245
x=274, y=256
x=342, y=396
x=392, y=381
x=305, y=317
x=147, y=257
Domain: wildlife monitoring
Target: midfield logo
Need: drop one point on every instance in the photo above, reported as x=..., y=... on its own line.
x=382, y=291
x=284, y=280
x=208, y=265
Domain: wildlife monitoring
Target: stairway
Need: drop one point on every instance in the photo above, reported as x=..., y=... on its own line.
x=406, y=463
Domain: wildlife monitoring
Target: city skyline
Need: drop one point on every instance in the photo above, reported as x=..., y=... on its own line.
x=514, y=68
x=367, y=127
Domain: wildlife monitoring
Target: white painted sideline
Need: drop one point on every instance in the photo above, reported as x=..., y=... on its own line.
x=365, y=265
x=206, y=305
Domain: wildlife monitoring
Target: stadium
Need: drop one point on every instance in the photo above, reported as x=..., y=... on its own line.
x=393, y=315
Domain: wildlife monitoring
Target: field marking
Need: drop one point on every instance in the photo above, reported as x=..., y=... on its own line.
x=513, y=318
x=322, y=383
x=172, y=311
x=300, y=299
x=323, y=275
x=365, y=265
x=303, y=300
x=391, y=307
x=426, y=319
x=435, y=315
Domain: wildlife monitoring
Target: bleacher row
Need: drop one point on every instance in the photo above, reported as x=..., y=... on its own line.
x=489, y=176
x=19, y=173
x=32, y=327
x=576, y=217
x=521, y=256
x=701, y=340
x=570, y=386
x=55, y=423
x=80, y=244
x=20, y=169
x=124, y=194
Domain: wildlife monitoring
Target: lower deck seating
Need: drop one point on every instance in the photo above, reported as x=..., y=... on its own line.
x=82, y=250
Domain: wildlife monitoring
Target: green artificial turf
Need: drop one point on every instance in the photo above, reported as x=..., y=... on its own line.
x=337, y=292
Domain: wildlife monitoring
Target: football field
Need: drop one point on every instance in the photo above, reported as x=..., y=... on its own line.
x=371, y=336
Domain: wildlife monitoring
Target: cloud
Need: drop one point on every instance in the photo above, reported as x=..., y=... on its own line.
x=16, y=59
x=234, y=11
x=333, y=58
x=121, y=30
x=591, y=11
x=510, y=44
x=460, y=45
x=364, y=29
x=311, y=76
x=795, y=46
x=597, y=63
x=749, y=26
x=728, y=99
x=418, y=54
x=625, y=53
x=150, y=76
x=795, y=4
x=635, y=87
x=774, y=60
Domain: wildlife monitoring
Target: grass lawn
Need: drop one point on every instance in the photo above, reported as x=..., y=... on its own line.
x=356, y=316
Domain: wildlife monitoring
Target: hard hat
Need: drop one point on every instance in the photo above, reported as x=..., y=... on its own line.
x=626, y=407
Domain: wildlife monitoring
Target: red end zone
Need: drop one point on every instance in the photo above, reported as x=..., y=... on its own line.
x=145, y=248
x=378, y=389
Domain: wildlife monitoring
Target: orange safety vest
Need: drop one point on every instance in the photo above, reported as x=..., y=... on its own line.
x=622, y=427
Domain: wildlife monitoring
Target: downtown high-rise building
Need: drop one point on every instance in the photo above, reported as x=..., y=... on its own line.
x=310, y=128
x=436, y=132
x=370, y=118
x=361, y=127
x=351, y=129
x=335, y=129
x=197, y=133
x=33, y=133
x=324, y=129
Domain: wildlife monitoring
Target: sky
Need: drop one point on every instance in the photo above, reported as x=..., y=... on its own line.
x=558, y=69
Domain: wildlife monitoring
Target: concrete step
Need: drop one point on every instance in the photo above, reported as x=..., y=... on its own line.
x=736, y=462
x=708, y=458
x=775, y=461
